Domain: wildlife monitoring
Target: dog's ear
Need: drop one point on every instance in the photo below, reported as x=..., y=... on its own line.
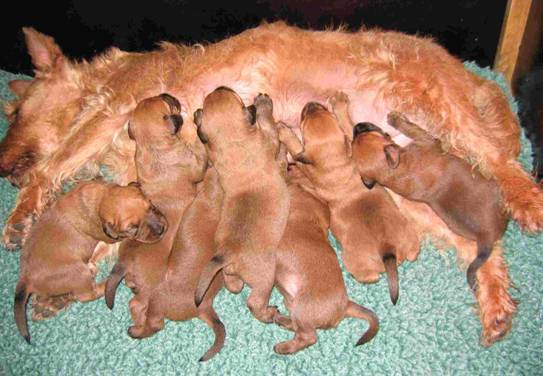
x=18, y=87
x=198, y=114
x=43, y=50
x=130, y=134
x=107, y=227
x=174, y=123
x=134, y=184
x=250, y=114
x=301, y=157
x=392, y=153
x=369, y=183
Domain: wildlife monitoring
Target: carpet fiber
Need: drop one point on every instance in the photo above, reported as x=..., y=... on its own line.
x=432, y=331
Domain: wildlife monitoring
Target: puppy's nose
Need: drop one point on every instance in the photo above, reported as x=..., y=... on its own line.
x=363, y=128
x=310, y=108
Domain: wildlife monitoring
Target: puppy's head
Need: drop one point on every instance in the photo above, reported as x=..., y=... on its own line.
x=156, y=120
x=322, y=136
x=126, y=213
x=374, y=152
x=224, y=117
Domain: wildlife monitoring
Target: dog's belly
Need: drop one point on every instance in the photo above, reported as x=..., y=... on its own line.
x=365, y=106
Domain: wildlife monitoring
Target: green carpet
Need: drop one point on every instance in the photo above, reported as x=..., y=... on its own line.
x=432, y=331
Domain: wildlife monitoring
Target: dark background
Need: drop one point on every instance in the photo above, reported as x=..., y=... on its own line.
x=469, y=29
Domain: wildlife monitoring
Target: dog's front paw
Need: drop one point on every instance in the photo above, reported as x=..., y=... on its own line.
x=30, y=204
x=263, y=104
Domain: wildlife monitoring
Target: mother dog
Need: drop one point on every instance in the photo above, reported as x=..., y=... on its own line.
x=71, y=116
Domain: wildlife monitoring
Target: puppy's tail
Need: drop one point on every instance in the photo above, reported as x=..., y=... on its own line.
x=212, y=320
x=359, y=312
x=483, y=253
x=391, y=268
x=19, y=309
x=218, y=262
x=115, y=277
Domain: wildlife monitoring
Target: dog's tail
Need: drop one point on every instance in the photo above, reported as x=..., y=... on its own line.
x=359, y=312
x=212, y=320
x=391, y=268
x=19, y=309
x=218, y=262
x=115, y=277
x=483, y=253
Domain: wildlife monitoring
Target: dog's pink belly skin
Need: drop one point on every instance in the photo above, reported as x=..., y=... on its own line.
x=289, y=98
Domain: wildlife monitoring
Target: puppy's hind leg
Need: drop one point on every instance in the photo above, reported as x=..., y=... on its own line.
x=154, y=322
x=261, y=281
x=305, y=336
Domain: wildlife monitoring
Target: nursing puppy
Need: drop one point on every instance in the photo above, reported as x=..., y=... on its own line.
x=374, y=235
x=468, y=203
x=308, y=274
x=55, y=259
x=192, y=249
x=256, y=199
x=168, y=168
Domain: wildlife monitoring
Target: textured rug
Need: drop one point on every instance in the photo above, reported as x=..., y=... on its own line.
x=432, y=331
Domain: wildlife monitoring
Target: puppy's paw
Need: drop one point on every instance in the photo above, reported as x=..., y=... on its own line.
x=339, y=100
x=263, y=104
x=136, y=332
x=45, y=308
x=395, y=117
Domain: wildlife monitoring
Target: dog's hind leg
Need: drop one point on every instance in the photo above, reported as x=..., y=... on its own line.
x=496, y=307
x=304, y=336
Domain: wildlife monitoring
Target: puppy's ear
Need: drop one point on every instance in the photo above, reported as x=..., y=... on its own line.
x=250, y=114
x=198, y=114
x=174, y=123
x=134, y=184
x=109, y=231
x=300, y=157
x=130, y=134
x=392, y=153
x=369, y=183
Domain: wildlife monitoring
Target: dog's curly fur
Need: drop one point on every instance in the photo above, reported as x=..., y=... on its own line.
x=71, y=116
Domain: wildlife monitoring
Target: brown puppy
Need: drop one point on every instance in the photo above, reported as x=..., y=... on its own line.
x=308, y=273
x=55, y=259
x=168, y=169
x=256, y=202
x=468, y=203
x=192, y=249
x=374, y=235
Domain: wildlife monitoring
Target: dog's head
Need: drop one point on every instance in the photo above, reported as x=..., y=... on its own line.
x=224, y=118
x=156, y=120
x=43, y=110
x=322, y=136
x=126, y=213
x=374, y=152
